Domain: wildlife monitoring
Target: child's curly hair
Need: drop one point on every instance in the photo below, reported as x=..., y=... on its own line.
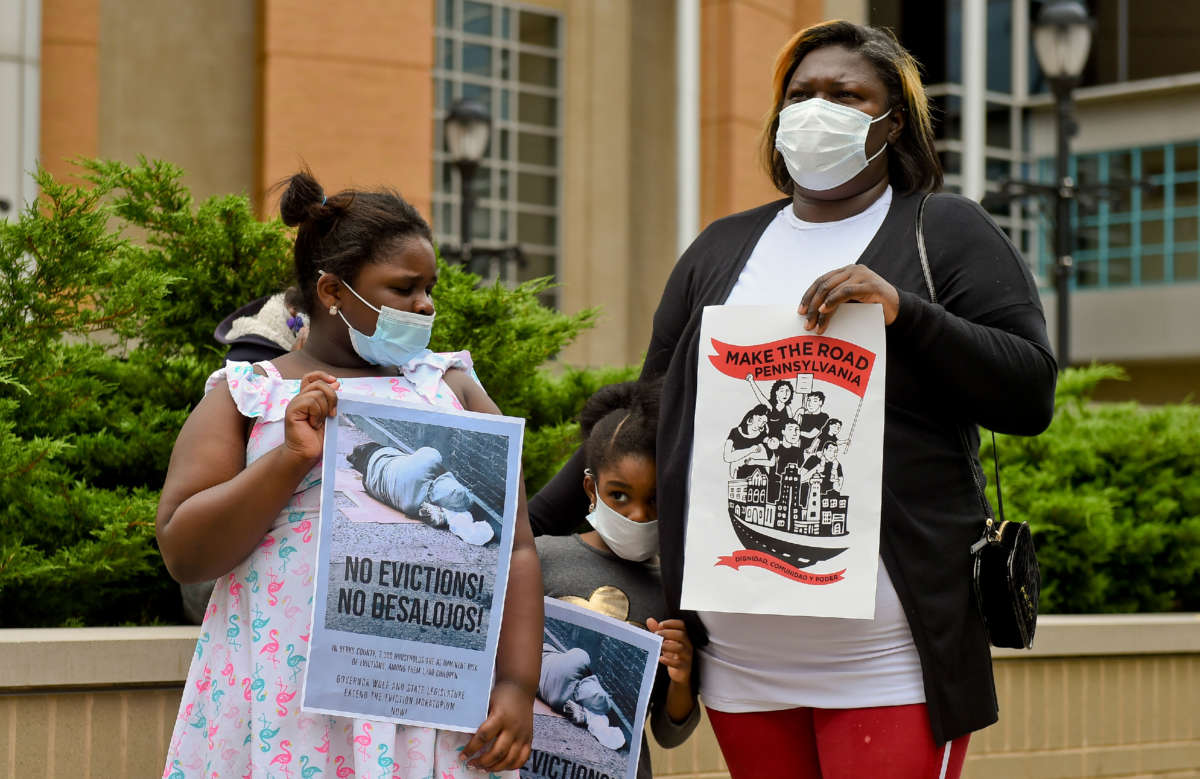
x=620, y=420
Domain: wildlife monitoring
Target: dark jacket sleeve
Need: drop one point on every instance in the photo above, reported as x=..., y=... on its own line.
x=671, y=316
x=984, y=342
x=556, y=508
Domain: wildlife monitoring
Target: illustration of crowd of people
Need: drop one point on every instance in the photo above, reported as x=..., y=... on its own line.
x=773, y=438
x=247, y=465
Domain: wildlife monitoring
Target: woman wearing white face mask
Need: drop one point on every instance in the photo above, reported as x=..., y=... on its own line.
x=849, y=142
x=613, y=568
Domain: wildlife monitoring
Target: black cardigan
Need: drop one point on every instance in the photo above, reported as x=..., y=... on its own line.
x=978, y=357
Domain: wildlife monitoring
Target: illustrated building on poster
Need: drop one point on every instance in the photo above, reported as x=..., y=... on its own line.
x=789, y=502
x=797, y=507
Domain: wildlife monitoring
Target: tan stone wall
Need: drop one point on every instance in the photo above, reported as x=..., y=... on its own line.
x=177, y=82
x=350, y=93
x=740, y=40
x=69, y=125
x=1111, y=697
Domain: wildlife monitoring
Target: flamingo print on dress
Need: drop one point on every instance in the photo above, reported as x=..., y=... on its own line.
x=383, y=760
x=273, y=586
x=307, y=771
x=282, y=698
x=252, y=579
x=341, y=769
x=235, y=590
x=271, y=647
x=231, y=633
x=205, y=637
x=266, y=733
x=294, y=660
x=284, y=757
x=364, y=740
x=258, y=623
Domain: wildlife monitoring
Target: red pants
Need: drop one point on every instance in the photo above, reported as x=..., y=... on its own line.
x=885, y=741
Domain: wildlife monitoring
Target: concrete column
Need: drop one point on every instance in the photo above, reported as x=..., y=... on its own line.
x=597, y=146
x=20, y=46
x=974, y=98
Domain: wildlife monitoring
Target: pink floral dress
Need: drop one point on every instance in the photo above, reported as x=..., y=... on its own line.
x=240, y=714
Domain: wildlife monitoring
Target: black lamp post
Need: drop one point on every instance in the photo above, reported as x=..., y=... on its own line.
x=468, y=131
x=1062, y=36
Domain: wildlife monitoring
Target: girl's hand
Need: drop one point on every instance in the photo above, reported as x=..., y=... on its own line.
x=676, y=648
x=853, y=282
x=304, y=421
x=507, y=733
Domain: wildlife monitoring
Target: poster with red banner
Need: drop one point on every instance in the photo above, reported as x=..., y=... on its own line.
x=787, y=463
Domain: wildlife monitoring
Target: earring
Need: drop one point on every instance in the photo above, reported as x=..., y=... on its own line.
x=333, y=310
x=591, y=508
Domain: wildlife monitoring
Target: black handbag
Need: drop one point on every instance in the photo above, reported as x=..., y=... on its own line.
x=1005, y=577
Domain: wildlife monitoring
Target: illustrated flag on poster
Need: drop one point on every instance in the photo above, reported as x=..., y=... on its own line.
x=784, y=491
x=590, y=710
x=418, y=507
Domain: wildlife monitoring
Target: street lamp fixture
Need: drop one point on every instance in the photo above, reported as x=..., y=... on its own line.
x=468, y=129
x=1062, y=37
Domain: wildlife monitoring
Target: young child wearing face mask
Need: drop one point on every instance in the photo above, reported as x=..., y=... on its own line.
x=613, y=568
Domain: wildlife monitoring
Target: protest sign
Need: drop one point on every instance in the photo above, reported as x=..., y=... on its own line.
x=786, y=475
x=593, y=691
x=418, y=508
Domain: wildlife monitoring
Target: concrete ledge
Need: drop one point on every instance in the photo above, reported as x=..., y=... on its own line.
x=1075, y=635
x=95, y=657
x=100, y=657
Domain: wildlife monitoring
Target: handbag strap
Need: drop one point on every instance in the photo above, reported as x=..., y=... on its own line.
x=925, y=269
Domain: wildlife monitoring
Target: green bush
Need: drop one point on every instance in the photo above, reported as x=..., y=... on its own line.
x=109, y=295
x=1112, y=494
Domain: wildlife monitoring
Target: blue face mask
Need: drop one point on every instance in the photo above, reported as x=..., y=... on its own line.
x=399, y=335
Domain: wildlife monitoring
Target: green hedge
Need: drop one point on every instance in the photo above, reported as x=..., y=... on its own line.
x=1112, y=493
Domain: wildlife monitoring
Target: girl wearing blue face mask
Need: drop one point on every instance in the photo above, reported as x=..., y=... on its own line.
x=240, y=504
x=613, y=568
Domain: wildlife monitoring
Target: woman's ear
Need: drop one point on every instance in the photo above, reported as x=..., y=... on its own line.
x=896, y=121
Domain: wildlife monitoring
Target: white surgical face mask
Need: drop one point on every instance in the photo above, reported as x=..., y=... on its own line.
x=399, y=335
x=824, y=144
x=627, y=539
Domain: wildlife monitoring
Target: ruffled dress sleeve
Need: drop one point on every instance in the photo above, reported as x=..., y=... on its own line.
x=255, y=395
x=425, y=371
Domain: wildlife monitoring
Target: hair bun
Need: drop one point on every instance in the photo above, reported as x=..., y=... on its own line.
x=302, y=196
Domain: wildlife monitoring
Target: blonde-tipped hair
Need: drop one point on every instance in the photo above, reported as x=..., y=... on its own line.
x=913, y=163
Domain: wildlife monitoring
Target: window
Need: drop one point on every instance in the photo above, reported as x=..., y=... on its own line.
x=1148, y=235
x=507, y=57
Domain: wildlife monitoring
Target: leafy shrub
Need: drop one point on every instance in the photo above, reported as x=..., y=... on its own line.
x=1112, y=496
x=109, y=295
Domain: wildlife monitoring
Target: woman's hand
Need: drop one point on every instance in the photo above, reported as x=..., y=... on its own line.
x=853, y=282
x=676, y=652
x=304, y=421
x=507, y=733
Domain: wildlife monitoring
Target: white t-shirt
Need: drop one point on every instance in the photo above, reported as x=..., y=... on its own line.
x=761, y=662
